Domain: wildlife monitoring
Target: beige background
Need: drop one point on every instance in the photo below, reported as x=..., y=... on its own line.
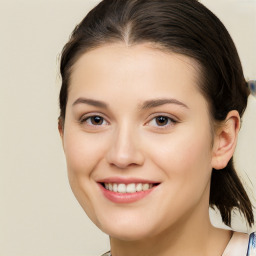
x=38, y=213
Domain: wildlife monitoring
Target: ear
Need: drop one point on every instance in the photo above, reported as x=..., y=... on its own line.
x=61, y=128
x=225, y=140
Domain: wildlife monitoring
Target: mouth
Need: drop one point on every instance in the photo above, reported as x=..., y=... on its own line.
x=128, y=188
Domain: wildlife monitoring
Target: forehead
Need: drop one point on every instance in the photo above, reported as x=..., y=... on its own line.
x=146, y=53
x=138, y=70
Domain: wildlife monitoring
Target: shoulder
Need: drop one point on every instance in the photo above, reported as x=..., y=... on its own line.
x=238, y=245
x=241, y=244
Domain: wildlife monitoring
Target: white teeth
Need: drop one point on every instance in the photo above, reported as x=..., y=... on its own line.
x=115, y=187
x=128, y=188
x=139, y=187
x=121, y=188
x=145, y=187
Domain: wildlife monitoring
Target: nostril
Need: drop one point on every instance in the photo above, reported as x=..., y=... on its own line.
x=123, y=163
x=124, y=152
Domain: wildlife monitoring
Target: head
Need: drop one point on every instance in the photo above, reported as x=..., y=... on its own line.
x=153, y=39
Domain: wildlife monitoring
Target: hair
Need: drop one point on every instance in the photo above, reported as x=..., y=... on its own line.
x=185, y=27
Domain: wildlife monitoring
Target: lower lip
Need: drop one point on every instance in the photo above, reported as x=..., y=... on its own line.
x=124, y=198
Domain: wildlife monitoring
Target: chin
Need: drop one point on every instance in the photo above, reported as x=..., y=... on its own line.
x=127, y=229
x=128, y=235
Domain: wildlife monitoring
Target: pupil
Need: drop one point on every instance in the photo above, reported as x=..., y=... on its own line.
x=97, y=120
x=161, y=120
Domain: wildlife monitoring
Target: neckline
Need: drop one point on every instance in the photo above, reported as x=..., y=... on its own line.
x=236, y=246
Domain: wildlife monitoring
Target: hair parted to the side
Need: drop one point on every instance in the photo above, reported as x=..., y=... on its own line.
x=185, y=27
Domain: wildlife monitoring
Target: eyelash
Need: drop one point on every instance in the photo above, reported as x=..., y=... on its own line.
x=170, y=121
x=89, y=120
x=102, y=121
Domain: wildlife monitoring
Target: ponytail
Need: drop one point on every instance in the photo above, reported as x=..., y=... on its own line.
x=227, y=193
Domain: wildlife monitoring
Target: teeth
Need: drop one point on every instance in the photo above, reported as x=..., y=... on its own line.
x=145, y=187
x=128, y=188
x=121, y=188
x=139, y=187
x=115, y=187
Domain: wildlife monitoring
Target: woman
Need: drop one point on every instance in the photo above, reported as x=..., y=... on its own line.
x=151, y=100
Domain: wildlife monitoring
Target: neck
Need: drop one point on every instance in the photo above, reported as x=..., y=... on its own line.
x=193, y=235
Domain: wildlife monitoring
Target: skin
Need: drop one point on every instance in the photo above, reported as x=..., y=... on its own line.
x=129, y=143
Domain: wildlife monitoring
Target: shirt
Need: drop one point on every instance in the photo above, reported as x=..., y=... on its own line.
x=240, y=244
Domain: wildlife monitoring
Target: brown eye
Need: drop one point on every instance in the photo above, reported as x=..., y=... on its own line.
x=95, y=121
x=162, y=120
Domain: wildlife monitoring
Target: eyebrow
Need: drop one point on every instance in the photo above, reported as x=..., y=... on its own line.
x=146, y=105
x=95, y=103
x=159, y=102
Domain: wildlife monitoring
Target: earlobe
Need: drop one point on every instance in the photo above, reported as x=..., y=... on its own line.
x=225, y=140
x=61, y=128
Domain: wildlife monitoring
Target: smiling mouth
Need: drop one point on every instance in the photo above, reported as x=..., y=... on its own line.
x=128, y=188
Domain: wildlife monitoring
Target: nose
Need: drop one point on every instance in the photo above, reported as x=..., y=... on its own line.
x=125, y=149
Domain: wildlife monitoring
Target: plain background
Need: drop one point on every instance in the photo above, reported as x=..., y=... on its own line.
x=38, y=212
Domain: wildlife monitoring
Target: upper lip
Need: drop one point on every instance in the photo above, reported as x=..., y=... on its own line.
x=122, y=180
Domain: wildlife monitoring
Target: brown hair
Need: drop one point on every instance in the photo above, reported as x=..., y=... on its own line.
x=185, y=27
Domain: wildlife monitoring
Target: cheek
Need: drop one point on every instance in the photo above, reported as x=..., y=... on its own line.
x=186, y=164
x=82, y=151
x=185, y=157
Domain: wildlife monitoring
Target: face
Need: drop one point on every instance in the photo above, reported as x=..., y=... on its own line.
x=137, y=139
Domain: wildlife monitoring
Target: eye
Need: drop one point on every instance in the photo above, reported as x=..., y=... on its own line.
x=94, y=120
x=161, y=121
